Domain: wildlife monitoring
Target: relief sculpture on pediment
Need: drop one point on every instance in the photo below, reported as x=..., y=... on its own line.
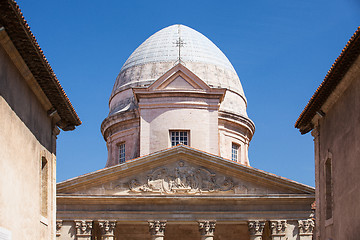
x=181, y=179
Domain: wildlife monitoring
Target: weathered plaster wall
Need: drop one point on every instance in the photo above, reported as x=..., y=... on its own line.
x=339, y=141
x=25, y=137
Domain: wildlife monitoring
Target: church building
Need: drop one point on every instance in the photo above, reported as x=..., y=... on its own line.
x=177, y=136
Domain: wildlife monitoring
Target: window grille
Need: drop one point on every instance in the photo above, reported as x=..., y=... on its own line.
x=179, y=137
x=234, y=152
x=122, y=153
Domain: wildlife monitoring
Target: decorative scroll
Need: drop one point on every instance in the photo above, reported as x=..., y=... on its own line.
x=181, y=179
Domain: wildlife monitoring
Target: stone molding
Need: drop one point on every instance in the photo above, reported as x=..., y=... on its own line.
x=278, y=227
x=306, y=227
x=207, y=227
x=83, y=227
x=107, y=227
x=58, y=227
x=157, y=228
x=256, y=227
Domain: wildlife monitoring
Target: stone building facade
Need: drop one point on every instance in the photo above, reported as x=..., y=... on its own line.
x=333, y=116
x=33, y=106
x=177, y=136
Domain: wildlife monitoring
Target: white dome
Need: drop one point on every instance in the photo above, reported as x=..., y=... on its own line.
x=160, y=52
x=162, y=47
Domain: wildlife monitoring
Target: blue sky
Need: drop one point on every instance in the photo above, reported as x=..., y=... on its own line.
x=280, y=49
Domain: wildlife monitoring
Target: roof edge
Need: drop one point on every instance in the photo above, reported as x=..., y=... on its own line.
x=332, y=79
x=12, y=19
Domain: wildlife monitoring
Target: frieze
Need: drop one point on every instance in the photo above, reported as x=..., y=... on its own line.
x=181, y=179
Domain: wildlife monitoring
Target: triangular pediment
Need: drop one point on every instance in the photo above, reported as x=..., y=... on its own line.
x=179, y=82
x=179, y=78
x=181, y=171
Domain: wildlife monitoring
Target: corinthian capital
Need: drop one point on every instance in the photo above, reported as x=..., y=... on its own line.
x=83, y=227
x=306, y=227
x=107, y=227
x=256, y=227
x=58, y=227
x=278, y=227
x=207, y=228
x=157, y=227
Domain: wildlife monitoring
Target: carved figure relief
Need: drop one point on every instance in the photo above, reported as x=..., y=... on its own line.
x=181, y=179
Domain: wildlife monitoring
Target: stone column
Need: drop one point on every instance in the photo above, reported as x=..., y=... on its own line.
x=207, y=229
x=256, y=229
x=58, y=227
x=83, y=229
x=306, y=228
x=278, y=228
x=157, y=229
x=107, y=229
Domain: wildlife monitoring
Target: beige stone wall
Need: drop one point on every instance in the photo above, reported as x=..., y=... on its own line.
x=339, y=141
x=155, y=123
x=25, y=138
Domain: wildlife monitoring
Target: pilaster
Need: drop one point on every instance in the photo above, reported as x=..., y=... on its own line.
x=256, y=229
x=107, y=229
x=278, y=228
x=157, y=229
x=316, y=134
x=207, y=229
x=306, y=228
x=83, y=229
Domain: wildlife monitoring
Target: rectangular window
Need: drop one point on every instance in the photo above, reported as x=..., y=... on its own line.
x=328, y=189
x=234, y=152
x=44, y=186
x=179, y=137
x=122, y=153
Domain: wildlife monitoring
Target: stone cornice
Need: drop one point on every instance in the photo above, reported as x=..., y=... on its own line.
x=185, y=216
x=238, y=119
x=196, y=199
